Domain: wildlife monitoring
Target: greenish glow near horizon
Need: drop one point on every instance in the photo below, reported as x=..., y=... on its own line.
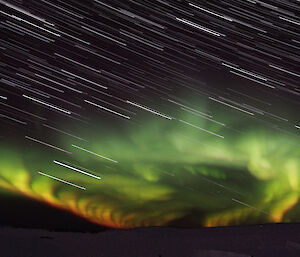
x=165, y=172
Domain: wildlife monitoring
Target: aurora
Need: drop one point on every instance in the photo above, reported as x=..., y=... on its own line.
x=189, y=171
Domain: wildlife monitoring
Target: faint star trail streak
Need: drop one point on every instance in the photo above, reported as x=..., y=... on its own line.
x=61, y=180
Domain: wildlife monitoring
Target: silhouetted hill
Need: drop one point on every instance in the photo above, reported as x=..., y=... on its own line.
x=272, y=240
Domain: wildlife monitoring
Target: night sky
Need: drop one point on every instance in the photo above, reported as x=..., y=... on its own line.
x=142, y=113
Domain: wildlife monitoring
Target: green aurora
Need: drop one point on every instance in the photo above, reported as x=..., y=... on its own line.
x=167, y=173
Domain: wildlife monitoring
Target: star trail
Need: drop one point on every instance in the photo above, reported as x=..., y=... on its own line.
x=140, y=112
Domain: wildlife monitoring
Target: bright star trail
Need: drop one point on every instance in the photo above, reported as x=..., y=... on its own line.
x=153, y=113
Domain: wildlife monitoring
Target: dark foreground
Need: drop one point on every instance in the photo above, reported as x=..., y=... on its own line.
x=262, y=240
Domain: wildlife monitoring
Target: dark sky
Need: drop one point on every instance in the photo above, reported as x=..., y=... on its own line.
x=85, y=63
